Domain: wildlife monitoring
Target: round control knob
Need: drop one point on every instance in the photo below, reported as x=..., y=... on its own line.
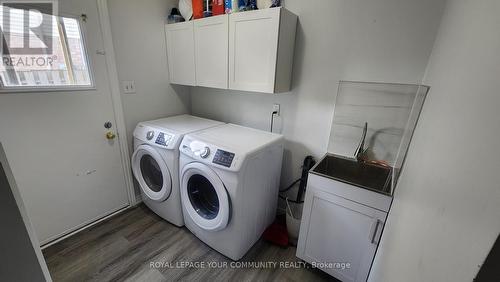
x=150, y=135
x=205, y=153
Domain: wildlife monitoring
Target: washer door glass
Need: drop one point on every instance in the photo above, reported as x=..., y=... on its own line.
x=204, y=197
x=152, y=173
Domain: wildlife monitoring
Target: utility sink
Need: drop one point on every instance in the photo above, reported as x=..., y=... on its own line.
x=361, y=174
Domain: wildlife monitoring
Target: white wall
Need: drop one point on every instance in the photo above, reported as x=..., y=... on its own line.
x=139, y=40
x=376, y=40
x=445, y=215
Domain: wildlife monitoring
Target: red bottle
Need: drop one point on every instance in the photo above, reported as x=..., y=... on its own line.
x=218, y=7
x=197, y=9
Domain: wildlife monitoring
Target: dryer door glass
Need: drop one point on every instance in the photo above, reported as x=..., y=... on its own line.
x=151, y=173
x=203, y=196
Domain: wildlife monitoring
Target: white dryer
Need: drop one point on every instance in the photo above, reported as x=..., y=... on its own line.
x=155, y=162
x=229, y=185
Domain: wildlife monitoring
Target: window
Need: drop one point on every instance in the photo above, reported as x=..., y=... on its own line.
x=63, y=65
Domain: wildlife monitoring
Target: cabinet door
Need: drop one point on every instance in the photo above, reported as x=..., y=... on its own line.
x=180, y=53
x=336, y=230
x=211, y=47
x=253, y=43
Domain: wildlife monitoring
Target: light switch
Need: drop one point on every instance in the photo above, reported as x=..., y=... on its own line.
x=128, y=86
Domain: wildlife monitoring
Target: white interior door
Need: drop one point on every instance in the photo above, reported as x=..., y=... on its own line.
x=68, y=173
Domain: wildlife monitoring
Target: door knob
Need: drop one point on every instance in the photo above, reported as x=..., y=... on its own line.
x=110, y=135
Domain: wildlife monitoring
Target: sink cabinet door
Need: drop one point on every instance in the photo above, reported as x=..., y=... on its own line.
x=211, y=48
x=180, y=53
x=337, y=230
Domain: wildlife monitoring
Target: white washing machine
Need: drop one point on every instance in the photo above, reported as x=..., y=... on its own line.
x=229, y=185
x=155, y=162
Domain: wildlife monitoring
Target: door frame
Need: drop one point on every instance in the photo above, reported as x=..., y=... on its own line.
x=102, y=9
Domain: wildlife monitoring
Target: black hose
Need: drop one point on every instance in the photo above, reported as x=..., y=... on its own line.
x=308, y=163
x=290, y=200
x=291, y=185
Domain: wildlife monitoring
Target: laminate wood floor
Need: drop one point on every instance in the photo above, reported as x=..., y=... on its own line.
x=122, y=248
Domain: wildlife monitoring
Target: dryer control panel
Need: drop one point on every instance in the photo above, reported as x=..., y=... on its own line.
x=223, y=158
x=154, y=136
x=163, y=139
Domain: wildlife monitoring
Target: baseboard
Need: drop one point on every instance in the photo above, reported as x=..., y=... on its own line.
x=59, y=239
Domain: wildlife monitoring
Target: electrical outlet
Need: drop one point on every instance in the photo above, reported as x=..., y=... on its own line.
x=276, y=108
x=128, y=86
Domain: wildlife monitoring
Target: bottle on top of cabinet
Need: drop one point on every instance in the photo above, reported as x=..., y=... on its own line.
x=231, y=6
x=218, y=7
x=198, y=9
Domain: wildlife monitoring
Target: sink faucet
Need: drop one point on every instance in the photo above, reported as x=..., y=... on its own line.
x=360, y=151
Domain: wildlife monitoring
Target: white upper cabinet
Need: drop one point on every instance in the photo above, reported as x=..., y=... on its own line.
x=249, y=51
x=180, y=53
x=211, y=49
x=261, y=45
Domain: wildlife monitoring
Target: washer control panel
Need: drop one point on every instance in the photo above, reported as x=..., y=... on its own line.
x=223, y=158
x=205, y=153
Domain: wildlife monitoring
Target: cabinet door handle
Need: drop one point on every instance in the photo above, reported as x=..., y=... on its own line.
x=375, y=231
